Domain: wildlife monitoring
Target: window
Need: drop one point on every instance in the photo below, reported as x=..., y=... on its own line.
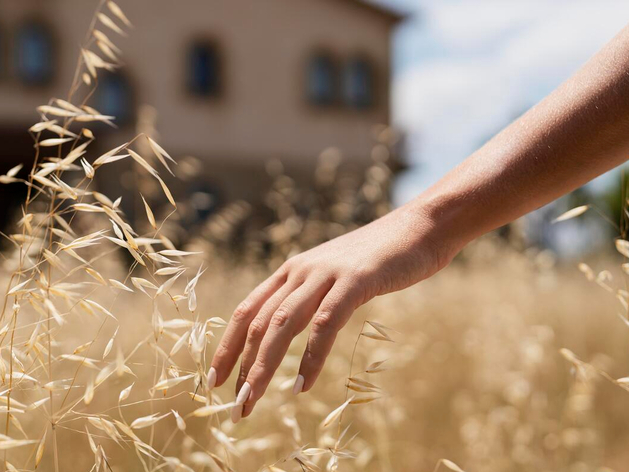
x=34, y=54
x=358, y=83
x=204, y=74
x=322, y=82
x=113, y=97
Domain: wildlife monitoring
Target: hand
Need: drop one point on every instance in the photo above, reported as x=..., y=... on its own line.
x=325, y=284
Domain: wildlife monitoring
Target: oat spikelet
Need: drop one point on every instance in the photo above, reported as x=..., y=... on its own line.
x=149, y=213
x=578, y=211
x=109, y=23
x=335, y=414
x=117, y=11
x=450, y=465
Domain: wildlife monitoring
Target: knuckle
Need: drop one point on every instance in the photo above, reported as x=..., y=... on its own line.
x=316, y=353
x=287, y=266
x=281, y=317
x=297, y=276
x=302, y=271
x=242, y=312
x=313, y=359
x=309, y=354
x=294, y=259
x=298, y=267
x=256, y=330
x=303, y=266
x=356, y=289
x=323, y=321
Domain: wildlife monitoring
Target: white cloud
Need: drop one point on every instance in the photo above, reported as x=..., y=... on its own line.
x=470, y=67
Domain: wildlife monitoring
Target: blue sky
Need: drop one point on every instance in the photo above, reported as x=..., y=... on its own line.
x=465, y=68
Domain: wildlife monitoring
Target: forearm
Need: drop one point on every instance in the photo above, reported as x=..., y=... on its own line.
x=577, y=133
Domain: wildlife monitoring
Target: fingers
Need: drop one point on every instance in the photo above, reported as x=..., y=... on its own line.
x=264, y=325
x=336, y=309
x=258, y=327
x=233, y=339
x=287, y=321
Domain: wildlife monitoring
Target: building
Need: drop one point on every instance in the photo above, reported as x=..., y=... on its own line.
x=235, y=83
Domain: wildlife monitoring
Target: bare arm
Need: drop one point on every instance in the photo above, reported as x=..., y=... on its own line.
x=577, y=133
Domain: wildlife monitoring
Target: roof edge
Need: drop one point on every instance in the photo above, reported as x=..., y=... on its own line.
x=392, y=15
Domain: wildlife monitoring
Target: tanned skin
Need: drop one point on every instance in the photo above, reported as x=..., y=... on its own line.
x=578, y=132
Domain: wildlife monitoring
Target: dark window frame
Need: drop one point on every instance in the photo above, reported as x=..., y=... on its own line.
x=132, y=102
x=13, y=63
x=218, y=89
x=334, y=98
x=360, y=103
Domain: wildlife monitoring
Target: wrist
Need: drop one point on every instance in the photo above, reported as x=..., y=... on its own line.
x=440, y=223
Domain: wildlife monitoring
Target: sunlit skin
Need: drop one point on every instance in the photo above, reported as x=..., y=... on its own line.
x=577, y=133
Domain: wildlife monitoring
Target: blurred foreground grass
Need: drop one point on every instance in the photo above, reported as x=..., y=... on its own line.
x=475, y=374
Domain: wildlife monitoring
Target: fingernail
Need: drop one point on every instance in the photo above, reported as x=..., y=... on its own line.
x=237, y=413
x=211, y=378
x=299, y=384
x=244, y=393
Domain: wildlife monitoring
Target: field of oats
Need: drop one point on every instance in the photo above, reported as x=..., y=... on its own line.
x=505, y=361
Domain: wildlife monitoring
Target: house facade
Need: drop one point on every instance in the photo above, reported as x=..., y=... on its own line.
x=234, y=83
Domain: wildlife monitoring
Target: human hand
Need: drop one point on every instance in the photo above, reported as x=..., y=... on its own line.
x=325, y=284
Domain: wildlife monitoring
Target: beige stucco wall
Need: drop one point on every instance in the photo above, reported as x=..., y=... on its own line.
x=263, y=112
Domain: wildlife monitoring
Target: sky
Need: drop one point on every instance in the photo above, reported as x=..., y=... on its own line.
x=464, y=69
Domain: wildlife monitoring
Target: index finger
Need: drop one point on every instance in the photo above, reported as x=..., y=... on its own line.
x=289, y=320
x=233, y=340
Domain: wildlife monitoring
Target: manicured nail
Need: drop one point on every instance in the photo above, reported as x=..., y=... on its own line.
x=211, y=378
x=241, y=398
x=299, y=384
x=237, y=413
x=244, y=393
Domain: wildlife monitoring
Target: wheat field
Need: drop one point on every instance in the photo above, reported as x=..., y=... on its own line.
x=505, y=361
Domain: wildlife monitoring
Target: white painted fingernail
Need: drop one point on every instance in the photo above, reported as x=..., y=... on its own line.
x=244, y=393
x=237, y=413
x=299, y=384
x=211, y=378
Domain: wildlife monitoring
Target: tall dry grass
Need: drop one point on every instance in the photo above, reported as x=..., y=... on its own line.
x=103, y=363
x=113, y=358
